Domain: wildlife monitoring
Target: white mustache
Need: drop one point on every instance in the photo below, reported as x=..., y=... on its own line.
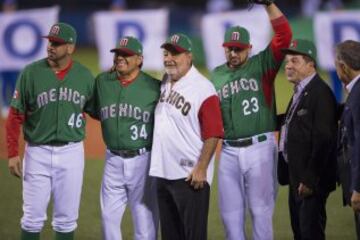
x=169, y=64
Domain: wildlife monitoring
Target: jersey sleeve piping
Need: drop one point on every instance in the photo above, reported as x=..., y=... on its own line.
x=13, y=124
x=281, y=38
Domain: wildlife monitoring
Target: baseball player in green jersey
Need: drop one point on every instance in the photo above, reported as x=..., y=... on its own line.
x=247, y=165
x=124, y=102
x=50, y=98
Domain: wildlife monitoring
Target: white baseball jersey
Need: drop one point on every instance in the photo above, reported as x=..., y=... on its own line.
x=177, y=141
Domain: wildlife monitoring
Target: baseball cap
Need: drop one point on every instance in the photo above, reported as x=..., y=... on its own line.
x=62, y=33
x=237, y=37
x=179, y=42
x=302, y=47
x=128, y=45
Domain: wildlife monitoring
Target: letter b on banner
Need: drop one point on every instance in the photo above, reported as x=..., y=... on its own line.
x=131, y=23
x=348, y=29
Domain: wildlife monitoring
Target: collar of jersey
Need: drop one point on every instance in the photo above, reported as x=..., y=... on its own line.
x=126, y=83
x=62, y=73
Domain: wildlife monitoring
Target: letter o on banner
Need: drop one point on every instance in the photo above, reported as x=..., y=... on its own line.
x=10, y=45
x=126, y=27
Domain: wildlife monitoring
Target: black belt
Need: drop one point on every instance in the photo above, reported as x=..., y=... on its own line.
x=245, y=142
x=130, y=153
x=57, y=143
x=51, y=143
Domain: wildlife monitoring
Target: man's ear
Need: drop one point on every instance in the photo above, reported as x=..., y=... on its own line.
x=190, y=57
x=140, y=60
x=347, y=71
x=71, y=48
x=344, y=67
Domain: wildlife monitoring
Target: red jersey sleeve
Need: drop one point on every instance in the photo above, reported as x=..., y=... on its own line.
x=281, y=38
x=13, y=124
x=210, y=119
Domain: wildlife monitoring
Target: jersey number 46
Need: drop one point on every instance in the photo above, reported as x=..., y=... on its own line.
x=76, y=120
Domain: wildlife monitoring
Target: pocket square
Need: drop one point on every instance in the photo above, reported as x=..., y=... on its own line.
x=302, y=112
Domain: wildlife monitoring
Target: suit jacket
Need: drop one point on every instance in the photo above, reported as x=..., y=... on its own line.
x=311, y=139
x=349, y=144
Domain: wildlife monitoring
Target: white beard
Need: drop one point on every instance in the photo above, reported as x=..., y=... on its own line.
x=171, y=70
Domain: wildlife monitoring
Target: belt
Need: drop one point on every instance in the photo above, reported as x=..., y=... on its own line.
x=57, y=143
x=52, y=143
x=245, y=142
x=130, y=153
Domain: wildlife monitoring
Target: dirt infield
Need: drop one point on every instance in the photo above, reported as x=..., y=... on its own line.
x=94, y=145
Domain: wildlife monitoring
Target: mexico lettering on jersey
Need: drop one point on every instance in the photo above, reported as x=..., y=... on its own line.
x=236, y=86
x=126, y=112
x=53, y=108
x=61, y=94
x=177, y=133
x=177, y=100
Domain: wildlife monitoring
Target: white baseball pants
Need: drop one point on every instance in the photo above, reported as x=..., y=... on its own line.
x=52, y=170
x=247, y=179
x=127, y=181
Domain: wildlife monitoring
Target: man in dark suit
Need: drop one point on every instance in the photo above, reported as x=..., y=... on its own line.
x=308, y=142
x=347, y=62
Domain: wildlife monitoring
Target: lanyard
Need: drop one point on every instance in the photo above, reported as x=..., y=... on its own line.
x=293, y=106
x=285, y=127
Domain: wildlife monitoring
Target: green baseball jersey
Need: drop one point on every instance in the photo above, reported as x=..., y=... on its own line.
x=126, y=112
x=53, y=108
x=247, y=95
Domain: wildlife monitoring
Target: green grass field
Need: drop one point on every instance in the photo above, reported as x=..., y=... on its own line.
x=340, y=220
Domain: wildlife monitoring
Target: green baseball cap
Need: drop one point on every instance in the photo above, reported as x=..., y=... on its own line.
x=178, y=42
x=62, y=33
x=302, y=47
x=237, y=37
x=129, y=46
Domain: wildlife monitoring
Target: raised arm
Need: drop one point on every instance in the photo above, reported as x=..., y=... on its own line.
x=282, y=31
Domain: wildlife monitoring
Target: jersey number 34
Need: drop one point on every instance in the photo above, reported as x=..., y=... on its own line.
x=138, y=132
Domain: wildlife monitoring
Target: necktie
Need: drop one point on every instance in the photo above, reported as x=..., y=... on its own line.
x=288, y=118
x=296, y=93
